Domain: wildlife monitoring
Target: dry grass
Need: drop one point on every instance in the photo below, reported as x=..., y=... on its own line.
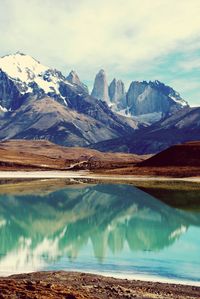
x=29, y=154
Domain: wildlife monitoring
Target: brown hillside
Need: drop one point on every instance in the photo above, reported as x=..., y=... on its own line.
x=187, y=154
x=177, y=161
x=41, y=154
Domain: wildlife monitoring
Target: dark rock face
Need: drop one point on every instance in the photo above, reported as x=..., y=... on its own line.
x=144, y=98
x=94, y=108
x=100, y=89
x=11, y=93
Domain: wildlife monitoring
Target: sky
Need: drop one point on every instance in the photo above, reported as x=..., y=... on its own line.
x=130, y=40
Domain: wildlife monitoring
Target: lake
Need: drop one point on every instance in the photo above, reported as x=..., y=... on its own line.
x=113, y=229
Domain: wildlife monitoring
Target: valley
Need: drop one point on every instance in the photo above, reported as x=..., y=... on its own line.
x=25, y=155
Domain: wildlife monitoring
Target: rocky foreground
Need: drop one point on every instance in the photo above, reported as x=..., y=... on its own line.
x=72, y=285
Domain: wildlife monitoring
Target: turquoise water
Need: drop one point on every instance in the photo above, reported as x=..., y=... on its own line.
x=115, y=230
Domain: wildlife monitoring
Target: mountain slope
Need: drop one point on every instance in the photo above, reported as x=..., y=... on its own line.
x=178, y=128
x=44, y=118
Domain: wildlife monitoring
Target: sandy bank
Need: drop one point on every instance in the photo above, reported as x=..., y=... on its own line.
x=88, y=175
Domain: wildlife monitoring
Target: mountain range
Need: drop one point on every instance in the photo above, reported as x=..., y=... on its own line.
x=38, y=102
x=144, y=101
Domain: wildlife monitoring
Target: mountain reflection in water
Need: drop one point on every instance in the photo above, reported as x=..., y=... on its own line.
x=38, y=230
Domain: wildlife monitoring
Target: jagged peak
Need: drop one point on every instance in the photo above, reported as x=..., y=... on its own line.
x=19, y=55
x=114, y=81
x=74, y=79
x=101, y=72
x=73, y=72
x=157, y=82
x=20, y=65
x=71, y=75
x=118, y=83
x=160, y=87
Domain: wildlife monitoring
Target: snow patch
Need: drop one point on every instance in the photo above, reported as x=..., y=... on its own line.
x=148, y=117
x=178, y=100
x=24, y=70
x=3, y=109
x=22, y=67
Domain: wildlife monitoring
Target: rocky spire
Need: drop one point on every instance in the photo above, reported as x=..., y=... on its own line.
x=117, y=91
x=100, y=89
x=74, y=79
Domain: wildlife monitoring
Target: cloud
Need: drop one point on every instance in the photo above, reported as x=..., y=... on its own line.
x=121, y=36
x=190, y=64
x=185, y=85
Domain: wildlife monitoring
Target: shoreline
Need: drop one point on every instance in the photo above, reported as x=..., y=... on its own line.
x=78, y=285
x=141, y=277
x=84, y=174
x=119, y=276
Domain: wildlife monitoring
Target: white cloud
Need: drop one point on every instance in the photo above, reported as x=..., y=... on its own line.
x=186, y=85
x=189, y=64
x=98, y=31
x=120, y=36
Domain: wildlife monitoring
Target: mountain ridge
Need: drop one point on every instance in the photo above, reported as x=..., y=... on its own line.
x=181, y=127
x=146, y=101
x=37, y=102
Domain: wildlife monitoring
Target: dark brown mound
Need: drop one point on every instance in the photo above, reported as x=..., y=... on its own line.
x=187, y=154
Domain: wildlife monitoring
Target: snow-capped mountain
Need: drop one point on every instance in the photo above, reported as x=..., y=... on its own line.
x=26, y=75
x=37, y=102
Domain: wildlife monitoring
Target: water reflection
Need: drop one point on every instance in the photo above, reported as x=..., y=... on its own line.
x=36, y=230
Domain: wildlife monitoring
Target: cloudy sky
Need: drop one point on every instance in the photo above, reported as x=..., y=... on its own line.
x=131, y=40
